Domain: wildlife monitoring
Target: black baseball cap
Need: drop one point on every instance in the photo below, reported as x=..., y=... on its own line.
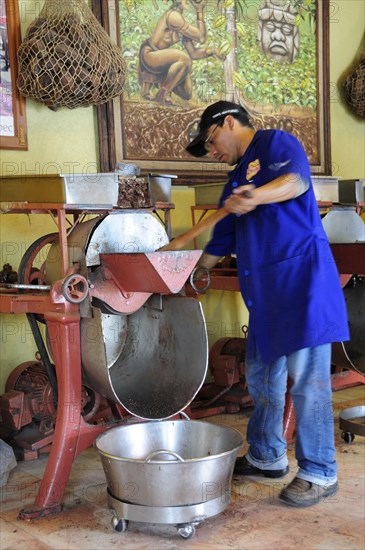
x=215, y=113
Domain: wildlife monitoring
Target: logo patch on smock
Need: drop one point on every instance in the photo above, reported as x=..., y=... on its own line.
x=277, y=165
x=252, y=169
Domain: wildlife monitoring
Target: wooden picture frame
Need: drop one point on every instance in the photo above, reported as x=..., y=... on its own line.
x=140, y=129
x=13, y=125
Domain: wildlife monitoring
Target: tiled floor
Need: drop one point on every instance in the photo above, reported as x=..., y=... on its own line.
x=255, y=518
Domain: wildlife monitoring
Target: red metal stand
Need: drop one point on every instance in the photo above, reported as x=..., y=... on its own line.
x=72, y=434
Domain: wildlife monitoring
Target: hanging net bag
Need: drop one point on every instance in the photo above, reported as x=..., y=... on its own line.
x=68, y=60
x=354, y=88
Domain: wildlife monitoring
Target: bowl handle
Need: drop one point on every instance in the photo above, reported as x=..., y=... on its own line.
x=160, y=451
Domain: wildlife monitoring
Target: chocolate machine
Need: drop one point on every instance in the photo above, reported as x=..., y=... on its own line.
x=116, y=336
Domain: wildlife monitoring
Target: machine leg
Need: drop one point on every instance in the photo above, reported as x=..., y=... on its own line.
x=64, y=330
x=289, y=419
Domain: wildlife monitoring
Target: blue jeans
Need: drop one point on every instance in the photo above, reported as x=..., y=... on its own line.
x=310, y=372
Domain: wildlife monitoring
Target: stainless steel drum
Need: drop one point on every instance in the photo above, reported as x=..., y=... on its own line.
x=123, y=232
x=355, y=301
x=153, y=362
x=351, y=354
x=344, y=225
x=151, y=357
x=169, y=472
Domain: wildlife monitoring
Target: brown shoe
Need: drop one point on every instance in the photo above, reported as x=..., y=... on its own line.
x=302, y=493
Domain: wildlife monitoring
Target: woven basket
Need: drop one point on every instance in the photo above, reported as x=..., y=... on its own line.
x=354, y=89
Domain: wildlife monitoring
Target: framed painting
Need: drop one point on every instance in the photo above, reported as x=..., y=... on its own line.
x=271, y=56
x=13, y=127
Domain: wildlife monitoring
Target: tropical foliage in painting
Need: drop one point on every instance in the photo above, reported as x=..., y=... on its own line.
x=246, y=74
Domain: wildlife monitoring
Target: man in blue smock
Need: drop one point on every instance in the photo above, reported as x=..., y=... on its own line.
x=291, y=287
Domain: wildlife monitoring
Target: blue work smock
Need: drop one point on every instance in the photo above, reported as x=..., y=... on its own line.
x=287, y=275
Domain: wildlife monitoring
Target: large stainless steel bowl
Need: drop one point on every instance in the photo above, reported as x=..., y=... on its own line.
x=169, y=463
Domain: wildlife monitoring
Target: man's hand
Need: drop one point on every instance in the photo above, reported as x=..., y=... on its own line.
x=216, y=53
x=200, y=277
x=242, y=200
x=208, y=261
x=281, y=189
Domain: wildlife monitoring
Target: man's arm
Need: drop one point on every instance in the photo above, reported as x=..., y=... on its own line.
x=177, y=22
x=283, y=188
x=208, y=260
x=200, y=53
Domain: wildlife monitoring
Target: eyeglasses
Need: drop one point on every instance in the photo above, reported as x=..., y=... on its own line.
x=208, y=140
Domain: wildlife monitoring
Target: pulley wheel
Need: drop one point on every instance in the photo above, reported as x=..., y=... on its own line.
x=28, y=272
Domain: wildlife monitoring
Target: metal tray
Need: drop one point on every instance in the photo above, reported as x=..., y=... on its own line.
x=88, y=189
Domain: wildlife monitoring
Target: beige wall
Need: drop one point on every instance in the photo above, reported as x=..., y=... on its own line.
x=67, y=138
x=347, y=40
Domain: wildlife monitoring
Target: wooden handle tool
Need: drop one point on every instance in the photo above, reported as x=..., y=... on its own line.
x=185, y=238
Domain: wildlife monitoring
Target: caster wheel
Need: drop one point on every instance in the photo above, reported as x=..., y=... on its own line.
x=348, y=437
x=186, y=530
x=119, y=525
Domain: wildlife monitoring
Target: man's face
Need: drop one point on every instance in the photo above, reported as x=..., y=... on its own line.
x=221, y=144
